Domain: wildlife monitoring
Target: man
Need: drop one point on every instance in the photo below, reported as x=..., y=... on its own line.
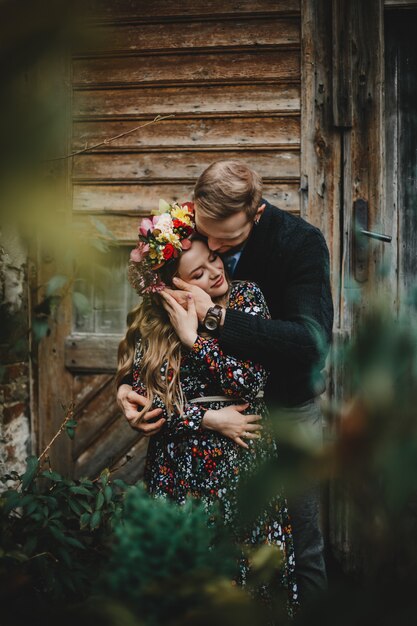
x=288, y=259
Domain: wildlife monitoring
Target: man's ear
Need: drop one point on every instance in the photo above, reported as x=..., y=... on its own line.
x=259, y=213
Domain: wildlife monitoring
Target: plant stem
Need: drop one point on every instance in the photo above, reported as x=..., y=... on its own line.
x=68, y=415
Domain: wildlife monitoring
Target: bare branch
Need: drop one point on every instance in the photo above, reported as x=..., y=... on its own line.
x=158, y=118
x=68, y=415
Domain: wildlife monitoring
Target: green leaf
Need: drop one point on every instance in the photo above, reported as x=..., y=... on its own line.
x=85, y=505
x=80, y=490
x=99, y=500
x=120, y=483
x=71, y=541
x=71, y=423
x=70, y=432
x=40, y=328
x=108, y=492
x=12, y=500
x=102, y=228
x=33, y=506
x=65, y=556
x=95, y=520
x=100, y=245
x=73, y=504
x=55, y=283
x=51, y=475
x=104, y=476
x=163, y=206
x=84, y=519
x=59, y=535
x=32, y=465
x=81, y=303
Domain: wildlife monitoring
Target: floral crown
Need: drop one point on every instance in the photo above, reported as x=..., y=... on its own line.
x=161, y=238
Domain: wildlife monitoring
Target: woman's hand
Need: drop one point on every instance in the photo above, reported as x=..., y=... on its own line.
x=230, y=422
x=184, y=321
x=201, y=299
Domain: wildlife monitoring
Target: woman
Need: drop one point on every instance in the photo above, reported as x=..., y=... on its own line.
x=203, y=448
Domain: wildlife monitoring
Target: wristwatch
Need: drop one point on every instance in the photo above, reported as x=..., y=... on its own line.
x=213, y=318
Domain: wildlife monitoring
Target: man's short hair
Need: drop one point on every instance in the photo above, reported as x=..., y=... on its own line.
x=226, y=188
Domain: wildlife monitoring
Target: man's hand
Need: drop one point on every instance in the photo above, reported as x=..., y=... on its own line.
x=230, y=422
x=129, y=401
x=201, y=299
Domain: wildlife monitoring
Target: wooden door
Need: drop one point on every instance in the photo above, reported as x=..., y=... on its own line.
x=228, y=75
x=401, y=152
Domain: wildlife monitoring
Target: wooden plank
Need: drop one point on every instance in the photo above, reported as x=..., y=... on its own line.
x=96, y=353
x=278, y=65
x=390, y=221
x=400, y=4
x=213, y=100
x=142, y=199
x=94, y=418
x=130, y=467
x=85, y=386
x=402, y=35
x=101, y=356
x=367, y=139
x=185, y=166
x=143, y=9
x=106, y=451
x=320, y=144
x=187, y=34
x=53, y=384
x=175, y=133
x=342, y=64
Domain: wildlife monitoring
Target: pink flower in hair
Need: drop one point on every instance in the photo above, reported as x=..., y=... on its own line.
x=186, y=244
x=145, y=225
x=138, y=254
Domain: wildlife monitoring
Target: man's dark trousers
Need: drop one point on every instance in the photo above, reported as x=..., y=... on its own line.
x=306, y=421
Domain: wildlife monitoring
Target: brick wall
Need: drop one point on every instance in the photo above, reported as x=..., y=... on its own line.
x=14, y=354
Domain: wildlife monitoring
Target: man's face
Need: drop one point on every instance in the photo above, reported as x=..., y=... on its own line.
x=224, y=235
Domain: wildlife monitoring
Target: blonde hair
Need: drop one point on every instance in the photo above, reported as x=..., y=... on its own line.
x=226, y=188
x=160, y=345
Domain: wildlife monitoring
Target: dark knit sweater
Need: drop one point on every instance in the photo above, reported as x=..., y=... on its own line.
x=289, y=260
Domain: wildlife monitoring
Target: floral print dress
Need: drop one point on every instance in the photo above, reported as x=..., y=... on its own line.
x=186, y=460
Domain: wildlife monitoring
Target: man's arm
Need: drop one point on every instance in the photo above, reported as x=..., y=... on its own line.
x=304, y=332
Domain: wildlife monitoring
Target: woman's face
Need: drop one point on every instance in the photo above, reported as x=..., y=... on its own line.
x=204, y=268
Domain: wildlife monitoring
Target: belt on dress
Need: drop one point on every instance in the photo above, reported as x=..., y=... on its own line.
x=260, y=394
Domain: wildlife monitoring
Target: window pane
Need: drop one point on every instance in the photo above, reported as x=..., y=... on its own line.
x=108, y=293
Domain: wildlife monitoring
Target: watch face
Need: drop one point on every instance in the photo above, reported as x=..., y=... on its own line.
x=211, y=323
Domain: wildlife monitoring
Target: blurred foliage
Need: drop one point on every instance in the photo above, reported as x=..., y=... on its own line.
x=172, y=567
x=370, y=462
x=55, y=535
x=100, y=550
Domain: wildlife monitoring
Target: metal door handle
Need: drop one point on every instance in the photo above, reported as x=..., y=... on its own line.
x=360, y=238
x=378, y=236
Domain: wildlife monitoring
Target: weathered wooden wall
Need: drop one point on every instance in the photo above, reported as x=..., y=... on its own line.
x=342, y=161
x=229, y=73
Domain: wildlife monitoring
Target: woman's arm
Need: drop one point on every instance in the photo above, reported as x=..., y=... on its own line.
x=236, y=377
x=229, y=421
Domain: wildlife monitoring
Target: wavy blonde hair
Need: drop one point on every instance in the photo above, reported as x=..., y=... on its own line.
x=160, y=346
